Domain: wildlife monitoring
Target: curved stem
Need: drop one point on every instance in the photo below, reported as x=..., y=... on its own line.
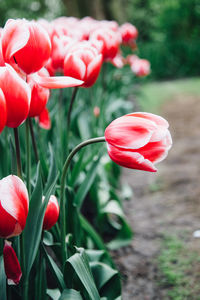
x=18, y=156
x=33, y=140
x=62, y=190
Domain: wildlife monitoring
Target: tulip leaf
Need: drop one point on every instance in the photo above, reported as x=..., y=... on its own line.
x=33, y=229
x=86, y=184
x=54, y=294
x=3, y=293
x=79, y=263
x=70, y=294
x=54, y=269
x=52, y=171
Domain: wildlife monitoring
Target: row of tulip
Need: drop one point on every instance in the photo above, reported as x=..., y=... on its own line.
x=64, y=181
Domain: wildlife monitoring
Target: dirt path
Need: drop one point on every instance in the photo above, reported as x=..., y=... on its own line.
x=165, y=203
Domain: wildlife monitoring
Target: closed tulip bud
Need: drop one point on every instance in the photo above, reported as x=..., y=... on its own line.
x=51, y=214
x=14, y=203
x=141, y=67
x=17, y=95
x=96, y=111
x=11, y=264
x=138, y=141
x=83, y=62
x=25, y=45
x=3, y=111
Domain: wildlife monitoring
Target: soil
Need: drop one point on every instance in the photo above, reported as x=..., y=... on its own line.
x=167, y=202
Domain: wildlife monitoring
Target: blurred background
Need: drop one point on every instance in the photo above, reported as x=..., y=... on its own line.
x=169, y=30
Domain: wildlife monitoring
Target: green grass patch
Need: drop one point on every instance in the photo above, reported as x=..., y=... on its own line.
x=152, y=95
x=179, y=268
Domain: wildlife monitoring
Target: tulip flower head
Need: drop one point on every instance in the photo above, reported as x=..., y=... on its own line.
x=14, y=203
x=138, y=141
x=25, y=45
x=129, y=33
x=51, y=214
x=44, y=119
x=83, y=62
x=11, y=264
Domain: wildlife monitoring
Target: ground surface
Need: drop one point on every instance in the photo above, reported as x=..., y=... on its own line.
x=165, y=204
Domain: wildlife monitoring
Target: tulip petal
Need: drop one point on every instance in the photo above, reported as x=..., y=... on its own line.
x=130, y=159
x=44, y=119
x=7, y=223
x=57, y=82
x=14, y=37
x=74, y=67
x=14, y=198
x=3, y=111
x=129, y=133
x=93, y=70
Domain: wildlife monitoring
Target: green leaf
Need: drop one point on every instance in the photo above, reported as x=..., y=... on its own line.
x=95, y=255
x=69, y=294
x=86, y=184
x=52, y=172
x=54, y=294
x=54, y=269
x=3, y=294
x=77, y=169
x=83, y=126
x=33, y=229
x=79, y=262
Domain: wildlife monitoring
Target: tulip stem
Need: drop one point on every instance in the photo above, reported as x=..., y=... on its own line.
x=62, y=191
x=33, y=140
x=18, y=156
x=75, y=90
x=28, y=159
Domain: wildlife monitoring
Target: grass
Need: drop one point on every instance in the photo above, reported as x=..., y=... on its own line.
x=152, y=95
x=176, y=264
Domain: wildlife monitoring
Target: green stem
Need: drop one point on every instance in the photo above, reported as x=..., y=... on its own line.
x=33, y=140
x=62, y=191
x=69, y=114
x=22, y=260
x=28, y=159
x=18, y=156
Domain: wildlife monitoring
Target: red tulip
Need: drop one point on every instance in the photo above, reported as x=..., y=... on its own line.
x=11, y=264
x=25, y=44
x=17, y=94
x=3, y=111
x=39, y=95
x=44, y=119
x=51, y=214
x=138, y=141
x=83, y=62
x=111, y=41
x=129, y=33
x=14, y=203
x=141, y=67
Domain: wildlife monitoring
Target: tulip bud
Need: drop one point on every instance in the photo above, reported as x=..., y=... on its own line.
x=14, y=203
x=11, y=264
x=129, y=33
x=51, y=214
x=138, y=141
x=96, y=111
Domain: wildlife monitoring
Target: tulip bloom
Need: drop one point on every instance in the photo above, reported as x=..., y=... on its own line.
x=129, y=33
x=44, y=119
x=17, y=94
x=25, y=45
x=83, y=62
x=11, y=264
x=14, y=203
x=51, y=214
x=3, y=111
x=138, y=141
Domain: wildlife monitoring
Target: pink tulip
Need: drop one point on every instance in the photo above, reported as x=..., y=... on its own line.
x=3, y=111
x=83, y=62
x=14, y=203
x=51, y=214
x=129, y=33
x=11, y=264
x=17, y=94
x=141, y=67
x=138, y=141
x=25, y=45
